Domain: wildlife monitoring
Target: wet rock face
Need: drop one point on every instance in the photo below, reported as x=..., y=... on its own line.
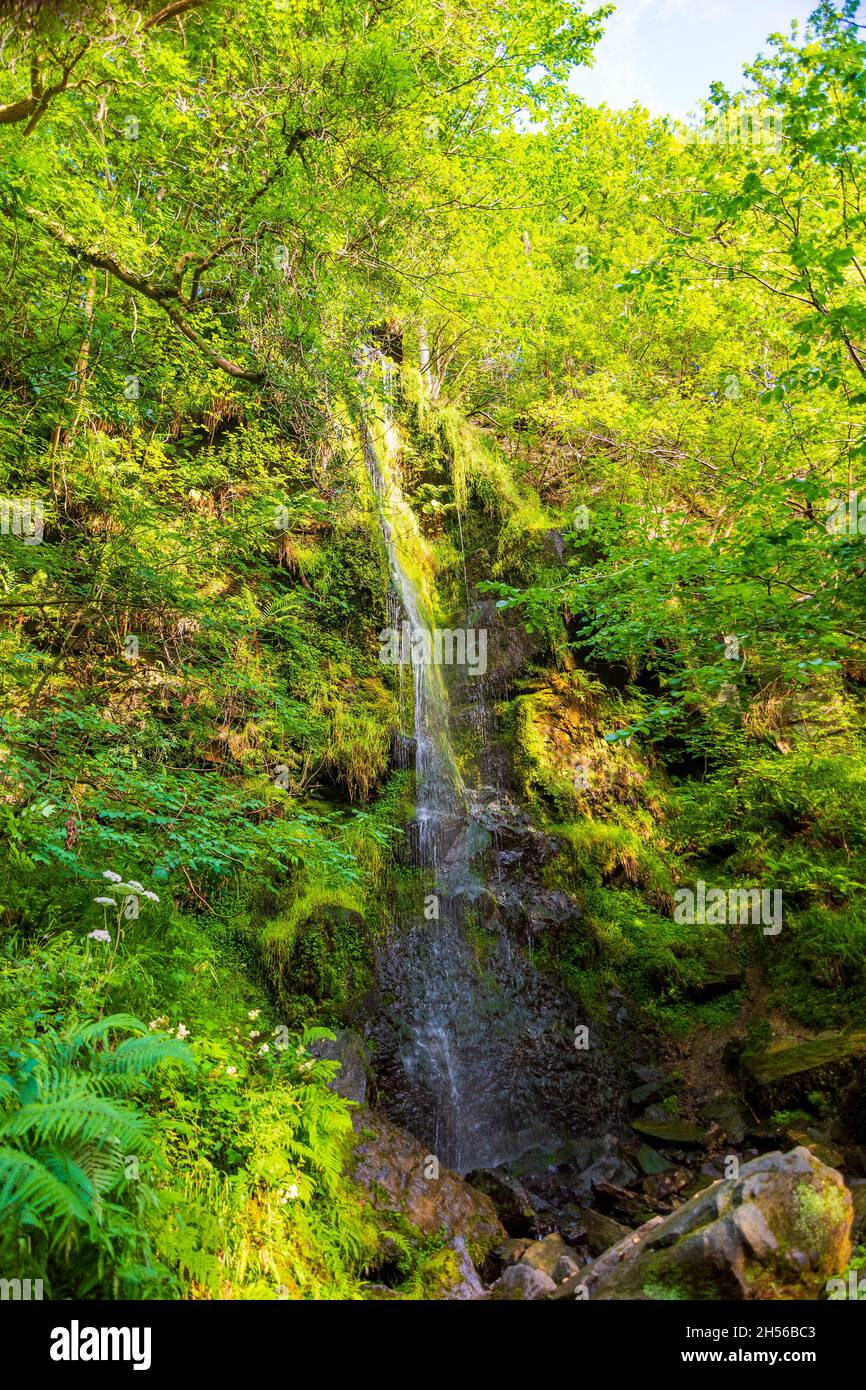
x=492, y=1070
x=397, y=1175
x=475, y=1049
x=516, y=855
x=510, y=650
x=780, y=1230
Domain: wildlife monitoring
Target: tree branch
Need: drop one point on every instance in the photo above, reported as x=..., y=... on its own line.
x=32, y=108
x=166, y=295
x=169, y=12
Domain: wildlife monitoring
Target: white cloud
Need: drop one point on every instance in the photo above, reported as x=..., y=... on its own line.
x=665, y=53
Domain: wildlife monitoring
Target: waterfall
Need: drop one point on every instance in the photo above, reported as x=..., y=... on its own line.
x=430, y=1057
x=455, y=1058
x=438, y=787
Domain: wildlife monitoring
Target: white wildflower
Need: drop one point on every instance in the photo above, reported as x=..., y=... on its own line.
x=106, y=902
x=99, y=935
x=112, y=877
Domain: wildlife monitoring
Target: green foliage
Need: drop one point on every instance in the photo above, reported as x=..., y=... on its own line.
x=72, y=1140
x=629, y=411
x=257, y=1146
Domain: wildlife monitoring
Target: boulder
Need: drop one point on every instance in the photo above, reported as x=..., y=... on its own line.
x=510, y=1251
x=779, y=1231
x=609, y=1167
x=522, y=1282
x=510, y=1198
x=677, y=1133
x=730, y=1113
x=818, y=1144
x=601, y=1231
x=632, y=1208
x=777, y=1076
x=468, y=1285
x=547, y=1254
x=666, y=1187
x=651, y=1162
x=350, y=1051
x=650, y=1091
x=392, y=1168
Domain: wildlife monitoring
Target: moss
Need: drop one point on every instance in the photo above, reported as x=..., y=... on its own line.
x=361, y=717
x=664, y=1292
x=818, y=1209
x=439, y=1274
x=789, y=1057
x=663, y=1279
x=481, y=474
x=319, y=951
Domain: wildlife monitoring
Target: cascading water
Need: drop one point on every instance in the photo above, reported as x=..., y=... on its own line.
x=462, y=1005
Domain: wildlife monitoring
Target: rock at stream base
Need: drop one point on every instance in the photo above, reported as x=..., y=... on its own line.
x=509, y=1197
x=730, y=1112
x=523, y=1282
x=780, y=1230
x=548, y=1255
x=469, y=1285
x=610, y=1167
x=601, y=1231
x=673, y=1132
x=392, y=1169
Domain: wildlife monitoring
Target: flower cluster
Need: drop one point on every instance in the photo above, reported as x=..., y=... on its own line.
x=158, y=1024
x=132, y=886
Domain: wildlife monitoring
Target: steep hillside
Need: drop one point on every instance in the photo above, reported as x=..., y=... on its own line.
x=433, y=659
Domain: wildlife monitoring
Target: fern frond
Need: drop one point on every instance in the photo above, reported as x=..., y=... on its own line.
x=76, y=1116
x=88, y=1033
x=29, y=1189
x=137, y=1056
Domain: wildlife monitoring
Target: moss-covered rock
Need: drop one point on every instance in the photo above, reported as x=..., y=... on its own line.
x=399, y=1175
x=780, y=1230
x=601, y=1231
x=782, y=1073
x=675, y=1132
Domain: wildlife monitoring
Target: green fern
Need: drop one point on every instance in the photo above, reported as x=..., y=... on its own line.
x=68, y=1119
x=32, y=1192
